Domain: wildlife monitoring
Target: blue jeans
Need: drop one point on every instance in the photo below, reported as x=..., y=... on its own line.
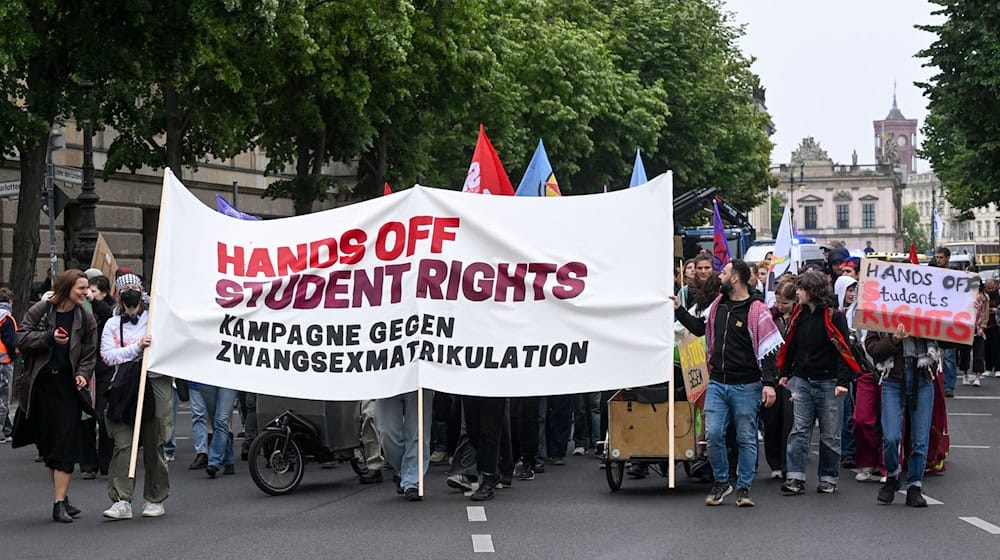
x=741, y=404
x=199, y=420
x=396, y=419
x=949, y=367
x=813, y=400
x=921, y=405
x=219, y=403
x=847, y=432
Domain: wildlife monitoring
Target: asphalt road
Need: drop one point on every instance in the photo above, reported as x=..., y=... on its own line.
x=567, y=512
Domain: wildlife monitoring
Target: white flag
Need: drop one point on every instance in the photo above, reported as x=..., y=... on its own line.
x=938, y=223
x=782, y=260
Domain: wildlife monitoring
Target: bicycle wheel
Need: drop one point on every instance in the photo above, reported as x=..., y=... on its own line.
x=276, y=468
x=615, y=471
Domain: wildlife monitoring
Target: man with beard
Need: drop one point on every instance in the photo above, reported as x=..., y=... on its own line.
x=741, y=343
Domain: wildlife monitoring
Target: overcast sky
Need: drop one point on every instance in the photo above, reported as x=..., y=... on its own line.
x=829, y=68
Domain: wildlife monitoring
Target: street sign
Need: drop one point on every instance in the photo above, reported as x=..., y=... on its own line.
x=68, y=174
x=10, y=188
x=61, y=201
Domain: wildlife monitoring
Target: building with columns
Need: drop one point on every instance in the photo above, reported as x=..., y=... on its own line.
x=850, y=204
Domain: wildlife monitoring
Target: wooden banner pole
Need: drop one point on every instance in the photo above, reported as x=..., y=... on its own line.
x=137, y=424
x=420, y=441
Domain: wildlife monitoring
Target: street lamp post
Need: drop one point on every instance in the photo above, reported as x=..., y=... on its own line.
x=88, y=197
x=56, y=142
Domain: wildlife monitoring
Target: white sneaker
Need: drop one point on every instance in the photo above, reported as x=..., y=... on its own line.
x=976, y=383
x=867, y=474
x=438, y=457
x=119, y=510
x=150, y=509
x=965, y=380
x=777, y=475
x=579, y=450
x=988, y=373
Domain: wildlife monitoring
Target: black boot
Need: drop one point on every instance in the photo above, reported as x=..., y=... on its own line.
x=59, y=513
x=888, y=490
x=487, y=487
x=371, y=476
x=72, y=510
x=914, y=497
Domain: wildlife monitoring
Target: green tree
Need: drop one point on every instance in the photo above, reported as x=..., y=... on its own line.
x=425, y=112
x=316, y=106
x=713, y=135
x=777, y=212
x=181, y=84
x=42, y=48
x=913, y=232
x=962, y=130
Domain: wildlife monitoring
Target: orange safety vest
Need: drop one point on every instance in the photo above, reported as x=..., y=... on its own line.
x=5, y=357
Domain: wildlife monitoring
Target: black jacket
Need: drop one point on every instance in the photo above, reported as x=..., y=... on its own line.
x=811, y=354
x=732, y=361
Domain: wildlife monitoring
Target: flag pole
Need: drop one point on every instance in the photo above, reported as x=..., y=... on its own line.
x=137, y=423
x=420, y=441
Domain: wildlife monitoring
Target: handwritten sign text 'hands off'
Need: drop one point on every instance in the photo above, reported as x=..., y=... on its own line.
x=935, y=303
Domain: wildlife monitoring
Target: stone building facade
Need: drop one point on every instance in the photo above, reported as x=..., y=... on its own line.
x=852, y=204
x=925, y=190
x=128, y=211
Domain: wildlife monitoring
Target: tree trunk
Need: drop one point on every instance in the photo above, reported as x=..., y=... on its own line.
x=175, y=130
x=29, y=207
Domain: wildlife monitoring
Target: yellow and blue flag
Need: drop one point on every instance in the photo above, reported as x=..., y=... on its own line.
x=539, y=179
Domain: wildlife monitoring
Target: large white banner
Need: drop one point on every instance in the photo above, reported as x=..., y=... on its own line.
x=469, y=294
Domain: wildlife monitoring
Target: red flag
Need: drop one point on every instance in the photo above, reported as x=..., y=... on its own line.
x=913, y=254
x=486, y=174
x=386, y=191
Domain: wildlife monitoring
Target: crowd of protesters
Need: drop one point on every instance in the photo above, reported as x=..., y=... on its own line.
x=780, y=372
x=778, y=366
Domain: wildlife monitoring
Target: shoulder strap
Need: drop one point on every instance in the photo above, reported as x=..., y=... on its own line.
x=121, y=330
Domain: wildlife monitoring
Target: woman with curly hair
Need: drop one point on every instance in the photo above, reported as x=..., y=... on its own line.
x=816, y=365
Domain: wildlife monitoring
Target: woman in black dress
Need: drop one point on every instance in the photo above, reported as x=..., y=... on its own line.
x=58, y=339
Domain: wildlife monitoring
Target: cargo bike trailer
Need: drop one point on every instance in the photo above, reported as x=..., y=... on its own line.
x=298, y=431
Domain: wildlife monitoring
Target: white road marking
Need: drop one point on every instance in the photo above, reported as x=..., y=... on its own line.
x=476, y=513
x=970, y=447
x=930, y=501
x=980, y=397
x=985, y=526
x=969, y=414
x=482, y=543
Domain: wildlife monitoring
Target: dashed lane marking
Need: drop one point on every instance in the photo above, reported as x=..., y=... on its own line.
x=482, y=543
x=970, y=446
x=984, y=525
x=979, y=397
x=476, y=513
x=930, y=501
x=969, y=414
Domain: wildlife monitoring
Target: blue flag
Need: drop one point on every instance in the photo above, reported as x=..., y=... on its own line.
x=223, y=206
x=538, y=180
x=720, y=246
x=638, y=171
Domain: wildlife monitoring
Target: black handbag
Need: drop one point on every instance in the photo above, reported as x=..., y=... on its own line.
x=123, y=391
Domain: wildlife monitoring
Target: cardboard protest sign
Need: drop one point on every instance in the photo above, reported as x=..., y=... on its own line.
x=935, y=303
x=694, y=365
x=472, y=295
x=104, y=259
